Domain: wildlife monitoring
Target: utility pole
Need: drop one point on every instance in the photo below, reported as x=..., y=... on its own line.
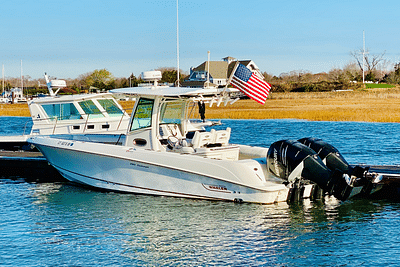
x=363, y=55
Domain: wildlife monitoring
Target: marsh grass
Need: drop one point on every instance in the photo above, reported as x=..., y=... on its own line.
x=20, y=110
x=378, y=105
x=373, y=105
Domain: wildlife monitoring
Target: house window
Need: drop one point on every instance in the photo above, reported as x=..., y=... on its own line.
x=199, y=76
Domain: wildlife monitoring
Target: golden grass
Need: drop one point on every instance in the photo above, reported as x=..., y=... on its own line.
x=127, y=105
x=372, y=106
x=14, y=110
x=378, y=105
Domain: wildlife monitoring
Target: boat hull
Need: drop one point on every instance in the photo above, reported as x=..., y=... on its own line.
x=141, y=171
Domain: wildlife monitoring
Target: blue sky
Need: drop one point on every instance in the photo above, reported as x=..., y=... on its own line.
x=69, y=38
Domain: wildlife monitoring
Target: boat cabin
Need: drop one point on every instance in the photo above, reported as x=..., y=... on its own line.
x=76, y=114
x=168, y=123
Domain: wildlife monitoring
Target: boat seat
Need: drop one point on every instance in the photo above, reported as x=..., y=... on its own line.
x=170, y=136
x=167, y=130
x=222, y=136
x=201, y=139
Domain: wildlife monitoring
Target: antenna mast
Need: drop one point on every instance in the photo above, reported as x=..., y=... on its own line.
x=22, y=80
x=177, y=42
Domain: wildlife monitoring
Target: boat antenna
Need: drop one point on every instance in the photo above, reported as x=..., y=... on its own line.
x=48, y=83
x=22, y=80
x=177, y=43
x=54, y=84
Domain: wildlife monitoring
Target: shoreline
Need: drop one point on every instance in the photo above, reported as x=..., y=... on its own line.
x=379, y=105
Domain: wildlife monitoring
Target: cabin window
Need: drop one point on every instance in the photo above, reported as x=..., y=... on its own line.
x=66, y=111
x=171, y=112
x=91, y=109
x=111, y=107
x=142, y=117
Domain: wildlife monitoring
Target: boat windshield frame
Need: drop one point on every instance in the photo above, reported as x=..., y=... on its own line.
x=143, y=114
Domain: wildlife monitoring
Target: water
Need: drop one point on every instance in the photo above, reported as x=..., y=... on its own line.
x=59, y=224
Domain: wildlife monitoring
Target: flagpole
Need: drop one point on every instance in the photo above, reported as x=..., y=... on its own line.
x=232, y=73
x=230, y=78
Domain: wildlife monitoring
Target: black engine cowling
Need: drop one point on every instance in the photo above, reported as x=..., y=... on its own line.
x=291, y=160
x=333, y=159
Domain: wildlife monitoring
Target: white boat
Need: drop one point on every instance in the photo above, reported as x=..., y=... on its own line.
x=163, y=154
x=71, y=114
x=15, y=95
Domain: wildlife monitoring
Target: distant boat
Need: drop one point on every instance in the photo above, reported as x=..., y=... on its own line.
x=70, y=114
x=15, y=95
x=4, y=100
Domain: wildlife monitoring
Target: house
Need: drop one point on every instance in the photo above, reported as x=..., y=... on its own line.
x=219, y=72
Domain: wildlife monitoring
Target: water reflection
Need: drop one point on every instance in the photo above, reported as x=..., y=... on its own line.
x=63, y=224
x=147, y=230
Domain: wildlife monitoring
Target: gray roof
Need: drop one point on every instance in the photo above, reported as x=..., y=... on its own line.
x=218, y=69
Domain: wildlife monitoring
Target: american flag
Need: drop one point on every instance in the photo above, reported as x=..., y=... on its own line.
x=250, y=84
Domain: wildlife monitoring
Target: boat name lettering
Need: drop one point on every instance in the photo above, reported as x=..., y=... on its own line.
x=138, y=165
x=220, y=188
x=65, y=143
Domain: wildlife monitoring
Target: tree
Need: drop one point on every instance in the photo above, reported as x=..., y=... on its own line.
x=133, y=81
x=368, y=64
x=394, y=76
x=169, y=75
x=102, y=79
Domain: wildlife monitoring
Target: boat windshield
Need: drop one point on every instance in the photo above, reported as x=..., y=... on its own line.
x=171, y=112
x=66, y=111
x=111, y=107
x=142, y=117
x=90, y=109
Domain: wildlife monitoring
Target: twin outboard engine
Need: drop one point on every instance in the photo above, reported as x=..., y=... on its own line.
x=317, y=161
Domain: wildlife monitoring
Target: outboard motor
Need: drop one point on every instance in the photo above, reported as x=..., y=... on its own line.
x=334, y=160
x=291, y=160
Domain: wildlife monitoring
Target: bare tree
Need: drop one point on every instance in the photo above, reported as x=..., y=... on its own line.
x=369, y=62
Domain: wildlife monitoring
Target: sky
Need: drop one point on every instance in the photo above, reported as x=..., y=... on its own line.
x=70, y=38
